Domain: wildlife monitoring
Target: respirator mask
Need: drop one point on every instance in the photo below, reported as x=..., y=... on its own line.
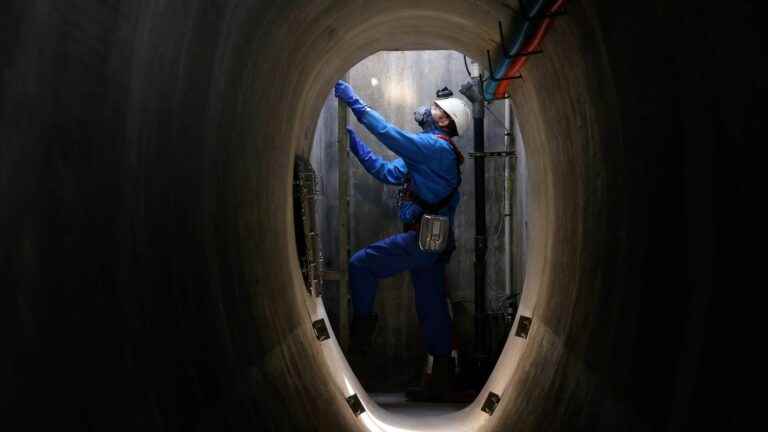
x=423, y=117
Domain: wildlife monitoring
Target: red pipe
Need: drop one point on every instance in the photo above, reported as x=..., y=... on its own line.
x=531, y=45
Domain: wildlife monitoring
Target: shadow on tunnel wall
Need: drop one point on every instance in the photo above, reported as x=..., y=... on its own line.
x=125, y=196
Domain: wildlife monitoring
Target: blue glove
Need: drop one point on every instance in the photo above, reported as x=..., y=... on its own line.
x=344, y=91
x=346, y=94
x=389, y=172
x=354, y=142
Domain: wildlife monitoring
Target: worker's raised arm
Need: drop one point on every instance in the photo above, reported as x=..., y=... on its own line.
x=389, y=172
x=409, y=146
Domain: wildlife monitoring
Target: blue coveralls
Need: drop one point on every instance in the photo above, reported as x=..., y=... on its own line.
x=431, y=164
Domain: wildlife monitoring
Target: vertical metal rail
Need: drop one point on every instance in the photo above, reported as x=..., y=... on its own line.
x=509, y=181
x=343, y=335
x=478, y=114
x=473, y=91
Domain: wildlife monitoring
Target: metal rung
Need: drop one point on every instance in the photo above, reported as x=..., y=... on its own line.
x=492, y=154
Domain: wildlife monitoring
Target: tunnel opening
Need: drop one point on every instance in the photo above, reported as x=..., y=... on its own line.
x=394, y=83
x=559, y=246
x=152, y=277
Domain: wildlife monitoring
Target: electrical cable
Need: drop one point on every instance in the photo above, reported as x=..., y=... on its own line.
x=532, y=44
x=469, y=74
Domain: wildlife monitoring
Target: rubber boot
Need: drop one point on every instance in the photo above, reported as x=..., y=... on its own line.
x=360, y=348
x=438, y=385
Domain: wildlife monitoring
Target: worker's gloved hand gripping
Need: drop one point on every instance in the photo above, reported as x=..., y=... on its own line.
x=389, y=172
x=414, y=148
x=344, y=91
x=356, y=145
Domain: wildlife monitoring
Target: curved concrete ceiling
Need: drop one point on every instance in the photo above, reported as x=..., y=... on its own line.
x=145, y=177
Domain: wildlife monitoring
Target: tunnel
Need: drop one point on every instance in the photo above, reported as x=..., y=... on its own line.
x=149, y=269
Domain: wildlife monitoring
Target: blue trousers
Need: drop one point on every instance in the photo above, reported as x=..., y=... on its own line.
x=397, y=254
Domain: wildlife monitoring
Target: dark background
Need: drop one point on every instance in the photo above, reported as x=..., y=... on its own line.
x=115, y=319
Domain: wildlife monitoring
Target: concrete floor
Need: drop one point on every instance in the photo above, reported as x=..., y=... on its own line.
x=397, y=403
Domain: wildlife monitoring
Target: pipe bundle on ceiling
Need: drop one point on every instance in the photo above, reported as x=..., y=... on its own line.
x=530, y=26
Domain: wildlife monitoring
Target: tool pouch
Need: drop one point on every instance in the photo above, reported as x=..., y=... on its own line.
x=433, y=233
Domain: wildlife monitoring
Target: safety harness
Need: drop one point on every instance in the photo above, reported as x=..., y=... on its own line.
x=407, y=192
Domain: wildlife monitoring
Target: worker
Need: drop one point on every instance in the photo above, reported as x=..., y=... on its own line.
x=427, y=169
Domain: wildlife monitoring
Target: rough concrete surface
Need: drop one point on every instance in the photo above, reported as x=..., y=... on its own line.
x=148, y=270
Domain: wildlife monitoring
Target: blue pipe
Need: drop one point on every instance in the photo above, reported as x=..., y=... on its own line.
x=523, y=30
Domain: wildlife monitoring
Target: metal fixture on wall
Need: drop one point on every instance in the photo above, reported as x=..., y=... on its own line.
x=305, y=193
x=491, y=328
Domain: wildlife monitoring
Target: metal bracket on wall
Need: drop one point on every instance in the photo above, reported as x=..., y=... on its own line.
x=321, y=330
x=523, y=326
x=507, y=55
x=355, y=405
x=505, y=51
x=492, y=70
x=312, y=263
x=482, y=90
x=492, y=154
x=491, y=402
x=527, y=53
x=527, y=16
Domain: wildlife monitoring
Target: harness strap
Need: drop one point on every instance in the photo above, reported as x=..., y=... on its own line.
x=456, y=151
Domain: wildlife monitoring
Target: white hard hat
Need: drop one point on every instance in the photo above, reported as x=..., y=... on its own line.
x=459, y=112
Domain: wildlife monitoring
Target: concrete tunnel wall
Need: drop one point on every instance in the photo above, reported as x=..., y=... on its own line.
x=149, y=271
